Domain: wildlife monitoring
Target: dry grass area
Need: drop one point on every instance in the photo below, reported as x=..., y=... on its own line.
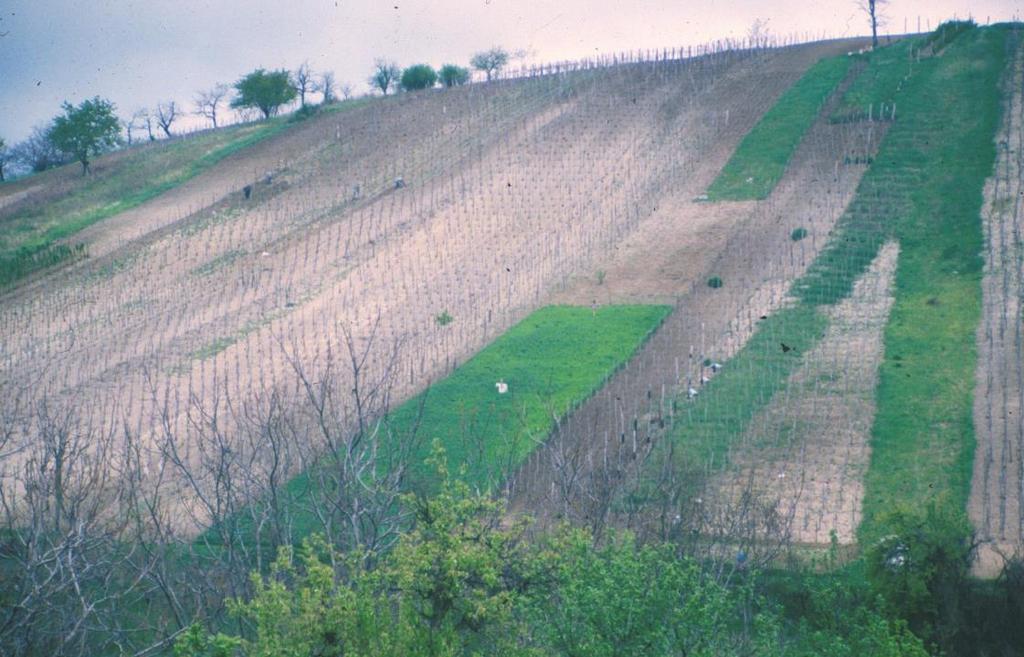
x=996, y=504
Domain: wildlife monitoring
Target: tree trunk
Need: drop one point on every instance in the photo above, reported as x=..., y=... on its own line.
x=874, y=23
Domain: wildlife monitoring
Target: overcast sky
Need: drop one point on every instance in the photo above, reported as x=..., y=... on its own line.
x=139, y=52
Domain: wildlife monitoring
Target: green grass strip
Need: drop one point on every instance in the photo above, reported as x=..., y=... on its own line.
x=551, y=361
x=941, y=151
x=761, y=158
x=873, y=93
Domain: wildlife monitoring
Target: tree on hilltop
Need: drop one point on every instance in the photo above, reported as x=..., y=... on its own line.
x=166, y=113
x=490, y=61
x=874, y=9
x=86, y=131
x=265, y=91
x=304, y=81
x=385, y=75
x=327, y=87
x=419, y=76
x=208, y=102
x=453, y=76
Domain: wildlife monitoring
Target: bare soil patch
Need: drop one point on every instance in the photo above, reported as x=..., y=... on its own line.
x=806, y=454
x=997, y=487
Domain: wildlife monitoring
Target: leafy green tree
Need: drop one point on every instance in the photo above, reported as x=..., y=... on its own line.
x=385, y=75
x=453, y=76
x=625, y=599
x=86, y=131
x=921, y=569
x=490, y=61
x=449, y=588
x=419, y=76
x=264, y=90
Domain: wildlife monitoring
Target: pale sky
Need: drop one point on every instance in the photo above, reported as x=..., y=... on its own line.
x=139, y=52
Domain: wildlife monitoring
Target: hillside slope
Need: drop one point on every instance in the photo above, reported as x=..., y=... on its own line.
x=201, y=301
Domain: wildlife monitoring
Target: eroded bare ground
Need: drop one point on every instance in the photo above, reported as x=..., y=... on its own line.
x=757, y=261
x=997, y=486
x=806, y=454
x=203, y=299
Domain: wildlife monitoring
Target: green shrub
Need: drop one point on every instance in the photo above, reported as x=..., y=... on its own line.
x=453, y=76
x=419, y=76
x=798, y=234
x=715, y=282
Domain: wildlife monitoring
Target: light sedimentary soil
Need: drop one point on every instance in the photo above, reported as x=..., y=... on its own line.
x=806, y=454
x=997, y=486
x=202, y=299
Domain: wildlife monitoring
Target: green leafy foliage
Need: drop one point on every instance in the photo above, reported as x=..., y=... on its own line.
x=418, y=76
x=762, y=156
x=264, y=90
x=465, y=580
x=86, y=131
x=920, y=568
x=451, y=75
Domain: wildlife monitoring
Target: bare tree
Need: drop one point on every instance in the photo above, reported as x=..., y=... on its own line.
x=208, y=102
x=37, y=152
x=757, y=34
x=875, y=10
x=346, y=90
x=327, y=86
x=385, y=75
x=129, y=127
x=143, y=119
x=166, y=113
x=305, y=82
